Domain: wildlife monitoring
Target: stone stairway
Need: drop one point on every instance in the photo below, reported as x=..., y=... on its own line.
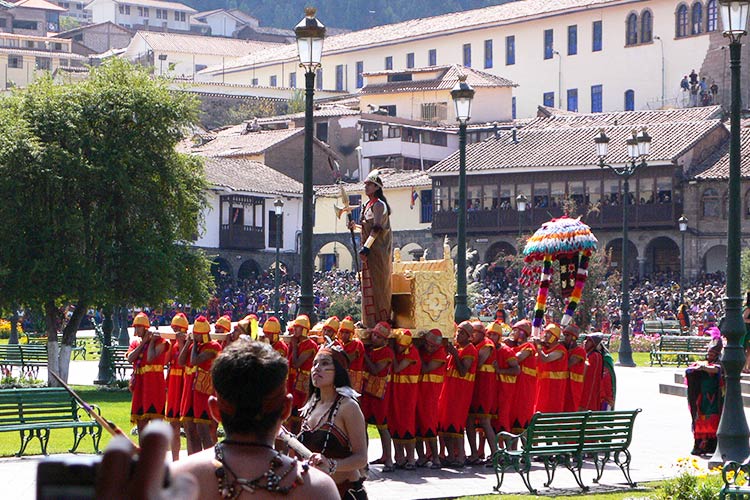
x=678, y=388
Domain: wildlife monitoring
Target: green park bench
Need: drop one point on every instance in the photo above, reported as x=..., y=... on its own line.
x=34, y=412
x=79, y=349
x=662, y=327
x=28, y=358
x=118, y=361
x=735, y=476
x=565, y=439
x=605, y=339
x=674, y=349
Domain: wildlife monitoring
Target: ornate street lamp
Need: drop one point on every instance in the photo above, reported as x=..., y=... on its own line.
x=733, y=432
x=278, y=207
x=462, y=95
x=521, y=202
x=682, y=222
x=310, y=34
x=639, y=147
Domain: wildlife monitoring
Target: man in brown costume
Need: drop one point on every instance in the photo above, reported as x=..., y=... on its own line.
x=376, y=253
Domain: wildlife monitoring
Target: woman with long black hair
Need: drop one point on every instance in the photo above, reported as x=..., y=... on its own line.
x=377, y=247
x=333, y=426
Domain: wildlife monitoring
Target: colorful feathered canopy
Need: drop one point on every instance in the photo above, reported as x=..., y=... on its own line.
x=560, y=237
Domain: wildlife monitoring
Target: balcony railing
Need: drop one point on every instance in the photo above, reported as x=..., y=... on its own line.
x=659, y=215
x=238, y=237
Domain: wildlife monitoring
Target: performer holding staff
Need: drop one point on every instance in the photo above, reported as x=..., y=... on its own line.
x=175, y=378
x=375, y=253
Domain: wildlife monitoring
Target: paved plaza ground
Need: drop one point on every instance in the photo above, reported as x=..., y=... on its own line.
x=662, y=435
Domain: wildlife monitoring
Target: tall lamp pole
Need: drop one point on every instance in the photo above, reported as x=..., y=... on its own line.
x=278, y=207
x=521, y=202
x=310, y=34
x=462, y=95
x=638, y=146
x=733, y=433
x=682, y=222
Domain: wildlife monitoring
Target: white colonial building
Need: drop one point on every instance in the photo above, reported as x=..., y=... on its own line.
x=139, y=14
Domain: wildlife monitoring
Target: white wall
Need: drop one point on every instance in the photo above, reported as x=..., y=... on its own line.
x=221, y=24
x=211, y=222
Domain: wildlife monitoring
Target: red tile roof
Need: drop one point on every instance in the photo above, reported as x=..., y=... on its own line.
x=446, y=80
x=392, y=179
x=716, y=167
x=567, y=146
x=552, y=117
x=239, y=174
x=197, y=44
x=233, y=141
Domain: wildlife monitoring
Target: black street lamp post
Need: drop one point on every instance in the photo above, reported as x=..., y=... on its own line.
x=683, y=224
x=521, y=202
x=733, y=433
x=309, y=33
x=462, y=95
x=639, y=145
x=278, y=207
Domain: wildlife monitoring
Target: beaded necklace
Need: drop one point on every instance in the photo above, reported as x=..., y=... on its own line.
x=333, y=410
x=269, y=480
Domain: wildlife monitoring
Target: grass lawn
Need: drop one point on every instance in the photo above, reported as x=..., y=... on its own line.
x=640, y=358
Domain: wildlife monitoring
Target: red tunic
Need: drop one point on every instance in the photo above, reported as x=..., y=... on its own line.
x=150, y=389
x=281, y=348
x=575, y=382
x=484, y=399
x=525, y=396
x=402, y=415
x=553, y=382
x=430, y=385
x=506, y=389
x=175, y=378
x=197, y=386
x=357, y=365
x=455, y=398
x=299, y=383
x=375, y=393
x=592, y=379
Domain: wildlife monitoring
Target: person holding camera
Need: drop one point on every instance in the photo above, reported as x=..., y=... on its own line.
x=252, y=414
x=148, y=354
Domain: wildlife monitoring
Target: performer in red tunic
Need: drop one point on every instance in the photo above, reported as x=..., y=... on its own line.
x=434, y=361
x=302, y=350
x=484, y=399
x=375, y=394
x=224, y=325
x=330, y=329
x=355, y=351
x=148, y=354
x=507, y=373
x=402, y=415
x=175, y=377
x=592, y=378
x=455, y=398
x=197, y=356
x=576, y=368
x=553, y=371
x=523, y=403
x=272, y=333
x=247, y=328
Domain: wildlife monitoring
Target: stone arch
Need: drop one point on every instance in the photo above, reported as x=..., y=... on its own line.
x=221, y=270
x=248, y=270
x=334, y=255
x=662, y=255
x=715, y=259
x=498, y=249
x=411, y=252
x=615, y=246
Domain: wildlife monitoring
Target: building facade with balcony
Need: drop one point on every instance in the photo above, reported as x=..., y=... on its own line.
x=240, y=222
x=23, y=58
x=552, y=161
x=74, y=10
x=142, y=14
x=555, y=51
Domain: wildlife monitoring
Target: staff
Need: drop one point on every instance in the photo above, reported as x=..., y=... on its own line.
x=345, y=207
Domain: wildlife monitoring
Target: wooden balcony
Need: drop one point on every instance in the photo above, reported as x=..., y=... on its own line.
x=647, y=216
x=241, y=237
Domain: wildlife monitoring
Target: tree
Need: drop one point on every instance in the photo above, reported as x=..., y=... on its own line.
x=98, y=207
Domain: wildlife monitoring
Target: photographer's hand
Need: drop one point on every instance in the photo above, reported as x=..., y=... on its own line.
x=148, y=478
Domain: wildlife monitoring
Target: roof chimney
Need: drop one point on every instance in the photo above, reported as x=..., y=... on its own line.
x=495, y=130
x=514, y=135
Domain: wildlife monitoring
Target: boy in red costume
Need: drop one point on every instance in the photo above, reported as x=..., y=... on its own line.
x=272, y=332
x=507, y=373
x=434, y=364
x=375, y=394
x=455, y=398
x=484, y=399
x=576, y=368
x=355, y=351
x=402, y=416
x=523, y=403
x=148, y=354
x=302, y=350
x=197, y=356
x=553, y=371
x=175, y=378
